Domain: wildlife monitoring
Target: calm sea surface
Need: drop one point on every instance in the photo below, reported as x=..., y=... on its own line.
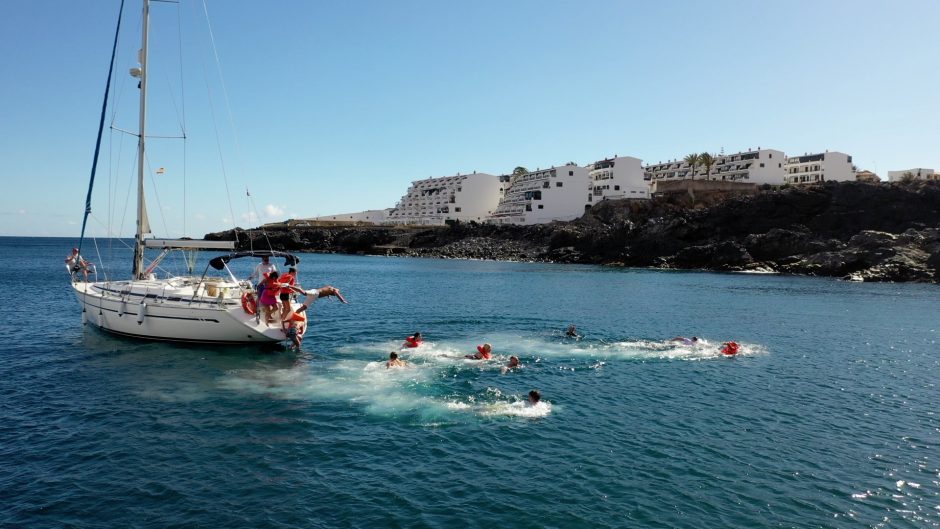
x=827, y=419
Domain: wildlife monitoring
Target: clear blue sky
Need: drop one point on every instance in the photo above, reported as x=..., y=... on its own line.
x=338, y=106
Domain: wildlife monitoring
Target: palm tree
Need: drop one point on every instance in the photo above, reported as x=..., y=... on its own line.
x=517, y=173
x=708, y=161
x=693, y=160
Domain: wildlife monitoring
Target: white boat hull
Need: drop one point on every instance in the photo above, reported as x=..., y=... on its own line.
x=153, y=310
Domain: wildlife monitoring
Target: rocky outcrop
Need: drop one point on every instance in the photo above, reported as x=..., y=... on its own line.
x=859, y=231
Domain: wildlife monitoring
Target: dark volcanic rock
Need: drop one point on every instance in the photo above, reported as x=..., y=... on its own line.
x=869, y=232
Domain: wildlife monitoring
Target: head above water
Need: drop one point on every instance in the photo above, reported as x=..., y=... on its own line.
x=417, y=335
x=534, y=396
x=393, y=356
x=695, y=338
x=264, y=258
x=513, y=360
x=486, y=348
x=292, y=270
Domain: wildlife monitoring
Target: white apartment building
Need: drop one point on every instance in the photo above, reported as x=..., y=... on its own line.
x=760, y=166
x=918, y=173
x=434, y=201
x=821, y=167
x=544, y=195
x=618, y=177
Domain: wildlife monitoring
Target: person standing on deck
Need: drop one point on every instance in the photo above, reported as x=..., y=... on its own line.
x=261, y=272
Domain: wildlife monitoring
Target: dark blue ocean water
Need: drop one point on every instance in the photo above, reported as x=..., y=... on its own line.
x=827, y=419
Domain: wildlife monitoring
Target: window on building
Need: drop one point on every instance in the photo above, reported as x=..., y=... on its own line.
x=456, y=210
x=541, y=206
x=570, y=173
x=558, y=184
x=545, y=185
x=528, y=207
x=762, y=164
x=616, y=188
x=770, y=155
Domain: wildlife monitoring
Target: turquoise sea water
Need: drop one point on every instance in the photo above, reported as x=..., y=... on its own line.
x=827, y=419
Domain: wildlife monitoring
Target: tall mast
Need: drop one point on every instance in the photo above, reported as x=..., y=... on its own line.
x=143, y=225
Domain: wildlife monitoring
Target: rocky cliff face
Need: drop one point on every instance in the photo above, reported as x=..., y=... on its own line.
x=870, y=232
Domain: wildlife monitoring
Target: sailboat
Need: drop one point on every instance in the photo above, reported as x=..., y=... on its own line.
x=216, y=308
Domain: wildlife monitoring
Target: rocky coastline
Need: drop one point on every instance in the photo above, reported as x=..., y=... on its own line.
x=852, y=230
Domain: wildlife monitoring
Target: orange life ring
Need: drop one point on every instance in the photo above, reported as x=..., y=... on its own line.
x=248, y=303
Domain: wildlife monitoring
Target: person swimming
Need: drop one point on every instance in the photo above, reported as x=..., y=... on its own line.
x=413, y=341
x=484, y=352
x=534, y=398
x=572, y=332
x=394, y=361
x=730, y=348
x=685, y=341
x=513, y=364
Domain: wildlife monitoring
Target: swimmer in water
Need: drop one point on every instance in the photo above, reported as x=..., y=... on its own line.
x=534, y=398
x=572, y=332
x=513, y=364
x=413, y=341
x=394, y=361
x=484, y=352
x=685, y=341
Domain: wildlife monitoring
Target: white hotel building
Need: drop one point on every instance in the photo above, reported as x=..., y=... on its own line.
x=545, y=195
x=918, y=173
x=433, y=201
x=618, y=177
x=761, y=166
x=820, y=167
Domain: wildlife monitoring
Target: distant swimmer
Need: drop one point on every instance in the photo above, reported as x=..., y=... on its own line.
x=534, y=398
x=730, y=348
x=572, y=332
x=685, y=341
x=394, y=361
x=413, y=341
x=484, y=352
x=513, y=364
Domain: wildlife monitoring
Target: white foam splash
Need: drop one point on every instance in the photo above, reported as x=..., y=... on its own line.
x=359, y=374
x=518, y=409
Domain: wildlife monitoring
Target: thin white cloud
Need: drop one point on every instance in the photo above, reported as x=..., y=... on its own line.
x=273, y=211
x=22, y=211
